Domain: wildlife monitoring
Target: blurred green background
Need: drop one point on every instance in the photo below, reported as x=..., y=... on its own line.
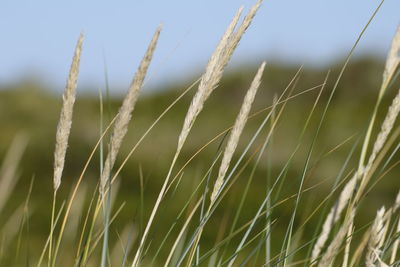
x=32, y=109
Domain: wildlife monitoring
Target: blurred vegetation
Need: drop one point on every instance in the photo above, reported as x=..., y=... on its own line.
x=34, y=110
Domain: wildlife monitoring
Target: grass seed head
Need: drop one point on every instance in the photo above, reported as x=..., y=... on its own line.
x=65, y=122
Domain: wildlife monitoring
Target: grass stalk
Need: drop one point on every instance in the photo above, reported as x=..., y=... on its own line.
x=208, y=83
x=63, y=131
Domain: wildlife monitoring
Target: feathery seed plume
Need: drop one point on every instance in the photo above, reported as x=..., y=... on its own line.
x=215, y=69
x=237, y=131
x=386, y=128
x=347, y=192
x=376, y=237
x=393, y=58
x=235, y=39
x=333, y=217
x=209, y=81
x=125, y=112
x=332, y=250
x=65, y=122
x=395, y=245
x=392, y=64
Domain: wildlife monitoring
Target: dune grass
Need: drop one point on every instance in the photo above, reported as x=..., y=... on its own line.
x=241, y=166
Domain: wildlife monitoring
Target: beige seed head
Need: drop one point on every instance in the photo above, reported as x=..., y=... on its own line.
x=215, y=69
x=386, y=128
x=395, y=244
x=396, y=205
x=347, y=192
x=242, y=29
x=237, y=131
x=393, y=58
x=334, y=216
x=209, y=80
x=65, y=122
x=125, y=112
x=376, y=238
x=208, y=83
x=334, y=247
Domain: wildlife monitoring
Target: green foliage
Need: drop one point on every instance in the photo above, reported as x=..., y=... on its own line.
x=33, y=110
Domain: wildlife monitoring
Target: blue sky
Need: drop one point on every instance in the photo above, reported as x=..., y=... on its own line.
x=38, y=37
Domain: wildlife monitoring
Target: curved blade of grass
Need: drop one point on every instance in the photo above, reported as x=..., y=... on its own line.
x=198, y=232
x=212, y=207
x=253, y=115
x=305, y=168
x=183, y=229
x=268, y=195
x=259, y=234
x=341, y=74
x=79, y=254
x=208, y=83
x=48, y=238
x=246, y=225
x=101, y=232
x=152, y=126
x=182, y=211
x=75, y=191
x=232, y=142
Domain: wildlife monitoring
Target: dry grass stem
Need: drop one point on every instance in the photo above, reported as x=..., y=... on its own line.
x=208, y=83
x=349, y=237
x=342, y=239
x=77, y=213
x=125, y=239
x=181, y=233
x=332, y=250
x=348, y=191
x=359, y=250
x=334, y=216
x=365, y=239
x=376, y=238
x=364, y=173
x=393, y=58
x=381, y=263
x=397, y=202
x=65, y=122
x=395, y=207
x=237, y=131
x=395, y=244
x=392, y=63
x=380, y=141
x=125, y=112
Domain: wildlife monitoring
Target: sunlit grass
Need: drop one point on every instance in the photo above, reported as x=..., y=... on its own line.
x=241, y=205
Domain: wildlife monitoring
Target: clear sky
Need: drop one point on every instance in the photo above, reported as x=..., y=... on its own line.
x=38, y=37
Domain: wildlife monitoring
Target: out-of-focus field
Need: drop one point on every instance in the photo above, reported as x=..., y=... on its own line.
x=32, y=110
